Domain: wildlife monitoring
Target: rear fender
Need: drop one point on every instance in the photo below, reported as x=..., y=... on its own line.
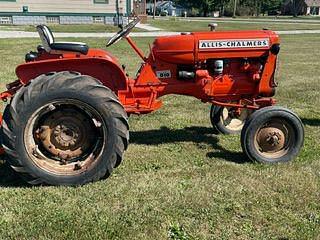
x=108, y=72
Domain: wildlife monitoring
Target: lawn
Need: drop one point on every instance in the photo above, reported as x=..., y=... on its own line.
x=178, y=178
x=309, y=17
x=178, y=25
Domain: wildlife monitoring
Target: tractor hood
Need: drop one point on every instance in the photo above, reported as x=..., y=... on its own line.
x=195, y=47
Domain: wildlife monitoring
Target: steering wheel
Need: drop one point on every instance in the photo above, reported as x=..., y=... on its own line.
x=123, y=32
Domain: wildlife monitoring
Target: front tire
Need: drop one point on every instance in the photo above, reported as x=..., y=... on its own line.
x=272, y=135
x=225, y=121
x=65, y=129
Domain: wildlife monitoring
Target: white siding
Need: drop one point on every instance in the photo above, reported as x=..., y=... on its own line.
x=60, y=6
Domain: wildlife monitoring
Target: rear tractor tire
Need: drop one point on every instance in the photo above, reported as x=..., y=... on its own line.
x=272, y=135
x=65, y=129
x=225, y=121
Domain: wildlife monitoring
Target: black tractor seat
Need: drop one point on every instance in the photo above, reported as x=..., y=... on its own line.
x=53, y=47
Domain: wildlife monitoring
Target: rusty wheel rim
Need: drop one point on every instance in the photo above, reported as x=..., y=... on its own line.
x=274, y=139
x=65, y=137
x=233, y=122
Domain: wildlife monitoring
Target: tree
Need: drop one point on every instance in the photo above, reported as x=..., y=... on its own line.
x=296, y=7
x=251, y=7
x=205, y=6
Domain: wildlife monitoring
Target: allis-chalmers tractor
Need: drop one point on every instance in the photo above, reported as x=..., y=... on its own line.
x=67, y=118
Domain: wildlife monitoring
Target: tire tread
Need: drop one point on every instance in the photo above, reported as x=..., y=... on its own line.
x=70, y=80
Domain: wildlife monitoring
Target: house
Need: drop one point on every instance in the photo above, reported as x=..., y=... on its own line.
x=313, y=7
x=301, y=7
x=169, y=8
x=31, y=12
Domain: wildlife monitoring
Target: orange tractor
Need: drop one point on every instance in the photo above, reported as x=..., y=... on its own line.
x=67, y=118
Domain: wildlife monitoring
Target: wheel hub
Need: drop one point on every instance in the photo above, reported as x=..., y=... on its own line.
x=66, y=134
x=272, y=138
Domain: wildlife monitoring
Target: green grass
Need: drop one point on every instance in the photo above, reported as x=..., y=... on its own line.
x=184, y=25
x=179, y=180
x=172, y=24
x=285, y=17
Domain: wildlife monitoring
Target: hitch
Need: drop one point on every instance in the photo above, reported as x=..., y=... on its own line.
x=12, y=88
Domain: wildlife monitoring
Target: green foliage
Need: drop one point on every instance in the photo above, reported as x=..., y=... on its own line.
x=244, y=7
x=176, y=232
x=271, y=5
x=205, y=6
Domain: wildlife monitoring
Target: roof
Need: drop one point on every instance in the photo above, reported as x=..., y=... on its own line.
x=312, y=3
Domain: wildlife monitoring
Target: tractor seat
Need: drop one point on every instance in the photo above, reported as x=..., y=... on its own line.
x=51, y=46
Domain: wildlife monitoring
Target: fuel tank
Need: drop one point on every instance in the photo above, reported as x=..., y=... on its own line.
x=196, y=47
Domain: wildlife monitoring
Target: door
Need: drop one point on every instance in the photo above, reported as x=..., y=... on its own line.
x=139, y=7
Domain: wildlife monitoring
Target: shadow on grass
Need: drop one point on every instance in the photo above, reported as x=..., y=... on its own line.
x=9, y=178
x=315, y=122
x=190, y=134
x=199, y=135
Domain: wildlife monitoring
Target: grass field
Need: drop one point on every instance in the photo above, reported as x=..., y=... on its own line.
x=185, y=25
x=172, y=24
x=179, y=180
x=285, y=17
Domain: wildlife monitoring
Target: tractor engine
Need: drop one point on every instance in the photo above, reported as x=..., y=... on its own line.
x=223, y=64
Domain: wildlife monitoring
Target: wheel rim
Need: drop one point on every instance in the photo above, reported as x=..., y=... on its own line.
x=233, y=122
x=65, y=137
x=274, y=139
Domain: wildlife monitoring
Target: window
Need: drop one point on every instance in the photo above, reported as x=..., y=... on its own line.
x=53, y=20
x=98, y=19
x=101, y=1
x=314, y=10
x=5, y=20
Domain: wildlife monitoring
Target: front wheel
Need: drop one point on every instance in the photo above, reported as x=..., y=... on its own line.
x=227, y=121
x=272, y=135
x=64, y=129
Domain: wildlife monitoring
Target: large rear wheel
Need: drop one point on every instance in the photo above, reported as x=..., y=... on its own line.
x=65, y=129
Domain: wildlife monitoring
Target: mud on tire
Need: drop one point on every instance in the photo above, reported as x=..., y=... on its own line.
x=64, y=129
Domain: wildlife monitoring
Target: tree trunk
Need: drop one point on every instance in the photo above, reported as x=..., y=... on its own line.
x=205, y=11
x=294, y=8
x=154, y=9
x=235, y=8
x=258, y=8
